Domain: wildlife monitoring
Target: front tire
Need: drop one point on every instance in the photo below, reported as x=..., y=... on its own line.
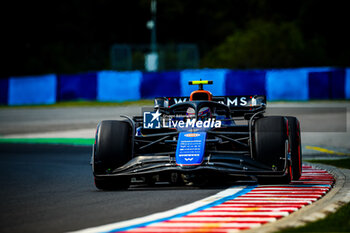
x=295, y=140
x=112, y=149
x=270, y=146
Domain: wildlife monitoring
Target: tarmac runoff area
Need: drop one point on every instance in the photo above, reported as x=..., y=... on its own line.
x=325, y=125
x=78, y=124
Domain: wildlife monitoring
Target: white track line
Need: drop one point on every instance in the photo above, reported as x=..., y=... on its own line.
x=167, y=214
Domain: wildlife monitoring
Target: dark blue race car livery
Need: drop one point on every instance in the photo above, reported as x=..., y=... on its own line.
x=196, y=138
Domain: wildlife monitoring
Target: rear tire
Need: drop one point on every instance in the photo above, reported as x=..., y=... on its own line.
x=112, y=149
x=295, y=141
x=270, y=141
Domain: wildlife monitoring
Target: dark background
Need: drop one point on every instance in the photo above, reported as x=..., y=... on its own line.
x=74, y=36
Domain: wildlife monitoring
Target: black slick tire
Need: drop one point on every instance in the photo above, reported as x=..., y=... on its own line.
x=112, y=149
x=270, y=135
x=295, y=141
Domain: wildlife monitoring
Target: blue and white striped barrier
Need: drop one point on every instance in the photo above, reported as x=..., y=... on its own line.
x=156, y=84
x=77, y=86
x=32, y=90
x=245, y=82
x=298, y=84
x=347, y=83
x=118, y=86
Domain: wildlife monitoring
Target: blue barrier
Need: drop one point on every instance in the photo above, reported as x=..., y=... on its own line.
x=287, y=84
x=347, y=83
x=337, y=84
x=290, y=84
x=217, y=75
x=4, y=85
x=319, y=85
x=250, y=82
x=77, y=86
x=160, y=84
x=279, y=84
x=327, y=85
x=118, y=86
x=32, y=90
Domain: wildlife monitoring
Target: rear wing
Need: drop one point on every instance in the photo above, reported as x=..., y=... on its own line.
x=233, y=102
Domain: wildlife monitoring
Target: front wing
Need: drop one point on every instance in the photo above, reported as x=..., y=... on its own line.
x=218, y=163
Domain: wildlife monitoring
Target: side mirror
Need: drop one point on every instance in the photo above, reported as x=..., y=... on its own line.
x=161, y=103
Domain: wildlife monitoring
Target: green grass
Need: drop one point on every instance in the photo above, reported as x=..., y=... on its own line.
x=66, y=141
x=81, y=103
x=335, y=222
x=342, y=163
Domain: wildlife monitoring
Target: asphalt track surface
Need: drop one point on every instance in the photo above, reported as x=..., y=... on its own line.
x=47, y=188
x=50, y=189
x=322, y=123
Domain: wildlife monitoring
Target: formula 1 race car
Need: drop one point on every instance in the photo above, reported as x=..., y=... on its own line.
x=185, y=139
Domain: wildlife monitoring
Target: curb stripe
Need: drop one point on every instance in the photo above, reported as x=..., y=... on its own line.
x=237, y=209
x=261, y=205
x=241, y=214
x=217, y=202
x=224, y=219
x=211, y=201
x=246, y=208
x=198, y=224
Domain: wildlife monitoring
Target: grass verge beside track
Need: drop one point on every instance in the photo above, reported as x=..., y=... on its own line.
x=342, y=163
x=335, y=222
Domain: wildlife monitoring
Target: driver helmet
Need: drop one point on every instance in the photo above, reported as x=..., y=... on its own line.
x=204, y=113
x=190, y=113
